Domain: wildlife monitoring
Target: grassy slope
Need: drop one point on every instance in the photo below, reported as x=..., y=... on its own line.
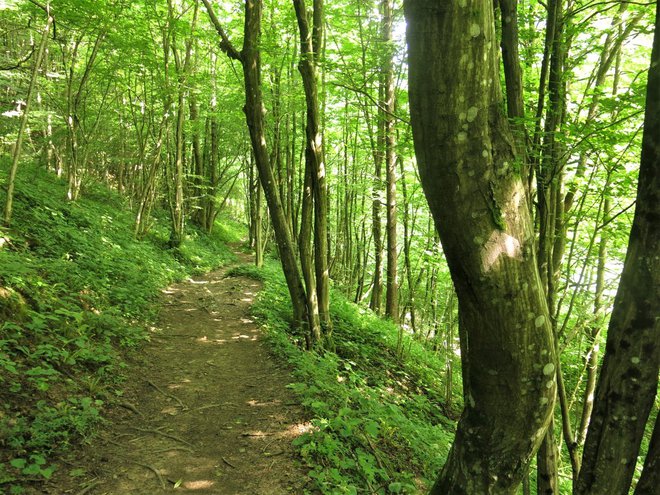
x=76, y=291
x=378, y=422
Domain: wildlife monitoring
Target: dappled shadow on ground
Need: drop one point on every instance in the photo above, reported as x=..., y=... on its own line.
x=205, y=411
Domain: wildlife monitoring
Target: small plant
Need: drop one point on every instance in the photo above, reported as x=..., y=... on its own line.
x=249, y=271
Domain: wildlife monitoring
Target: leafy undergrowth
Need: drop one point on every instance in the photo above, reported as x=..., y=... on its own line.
x=76, y=292
x=378, y=419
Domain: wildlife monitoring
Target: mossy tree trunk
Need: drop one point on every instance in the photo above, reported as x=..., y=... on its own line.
x=465, y=154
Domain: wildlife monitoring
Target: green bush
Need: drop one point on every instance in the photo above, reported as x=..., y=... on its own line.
x=77, y=291
x=376, y=418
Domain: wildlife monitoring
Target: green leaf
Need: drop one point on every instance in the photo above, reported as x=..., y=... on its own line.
x=18, y=463
x=372, y=428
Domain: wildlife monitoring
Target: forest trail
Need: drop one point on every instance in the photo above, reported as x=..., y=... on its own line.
x=205, y=411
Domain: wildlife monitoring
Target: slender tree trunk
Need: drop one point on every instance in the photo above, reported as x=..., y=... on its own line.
x=307, y=258
x=407, y=241
x=24, y=119
x=310, y=46
x=387, y=71
x=551, y=219
x=594, y=331
x=250, y=58
x=176, y=235
x=629, y=377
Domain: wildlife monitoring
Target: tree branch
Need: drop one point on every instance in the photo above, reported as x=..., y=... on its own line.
x=46, y=9
x=373, y=100
x=225, y=44
x=20, y=62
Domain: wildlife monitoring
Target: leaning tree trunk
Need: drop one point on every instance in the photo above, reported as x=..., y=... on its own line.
x=465, y=155
x=250, y=58
x=318, y=296
x=629, y=377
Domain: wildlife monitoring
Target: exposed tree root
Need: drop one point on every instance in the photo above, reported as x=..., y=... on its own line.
x=183, y=406
x=162, y=433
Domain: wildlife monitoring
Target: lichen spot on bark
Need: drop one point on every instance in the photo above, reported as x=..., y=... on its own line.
x=475, y=30
x=461, y=137
x=472, y=114
x=548, y=369
x=462, y=3
x=539, y=321
x=634, y=360
x=549, y=383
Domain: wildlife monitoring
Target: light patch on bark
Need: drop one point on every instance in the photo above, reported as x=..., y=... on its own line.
x=472, y=114
x=500, y=244
x=540, y=320
x=548, y=369
x=475, y=30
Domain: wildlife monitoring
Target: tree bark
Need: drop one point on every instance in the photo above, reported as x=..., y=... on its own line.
x=465, y=154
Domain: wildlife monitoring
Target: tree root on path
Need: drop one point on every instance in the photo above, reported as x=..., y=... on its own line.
x=209, y=406
x=89, y=487
x=183, y=406
x=168, y=449
x=150, y=468
x=130, y=407
x=161, y=433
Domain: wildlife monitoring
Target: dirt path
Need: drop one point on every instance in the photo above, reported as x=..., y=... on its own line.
x=207, y=411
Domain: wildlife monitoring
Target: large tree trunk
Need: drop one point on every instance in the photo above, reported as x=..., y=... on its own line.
x=629, y=377
x=465, y=154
